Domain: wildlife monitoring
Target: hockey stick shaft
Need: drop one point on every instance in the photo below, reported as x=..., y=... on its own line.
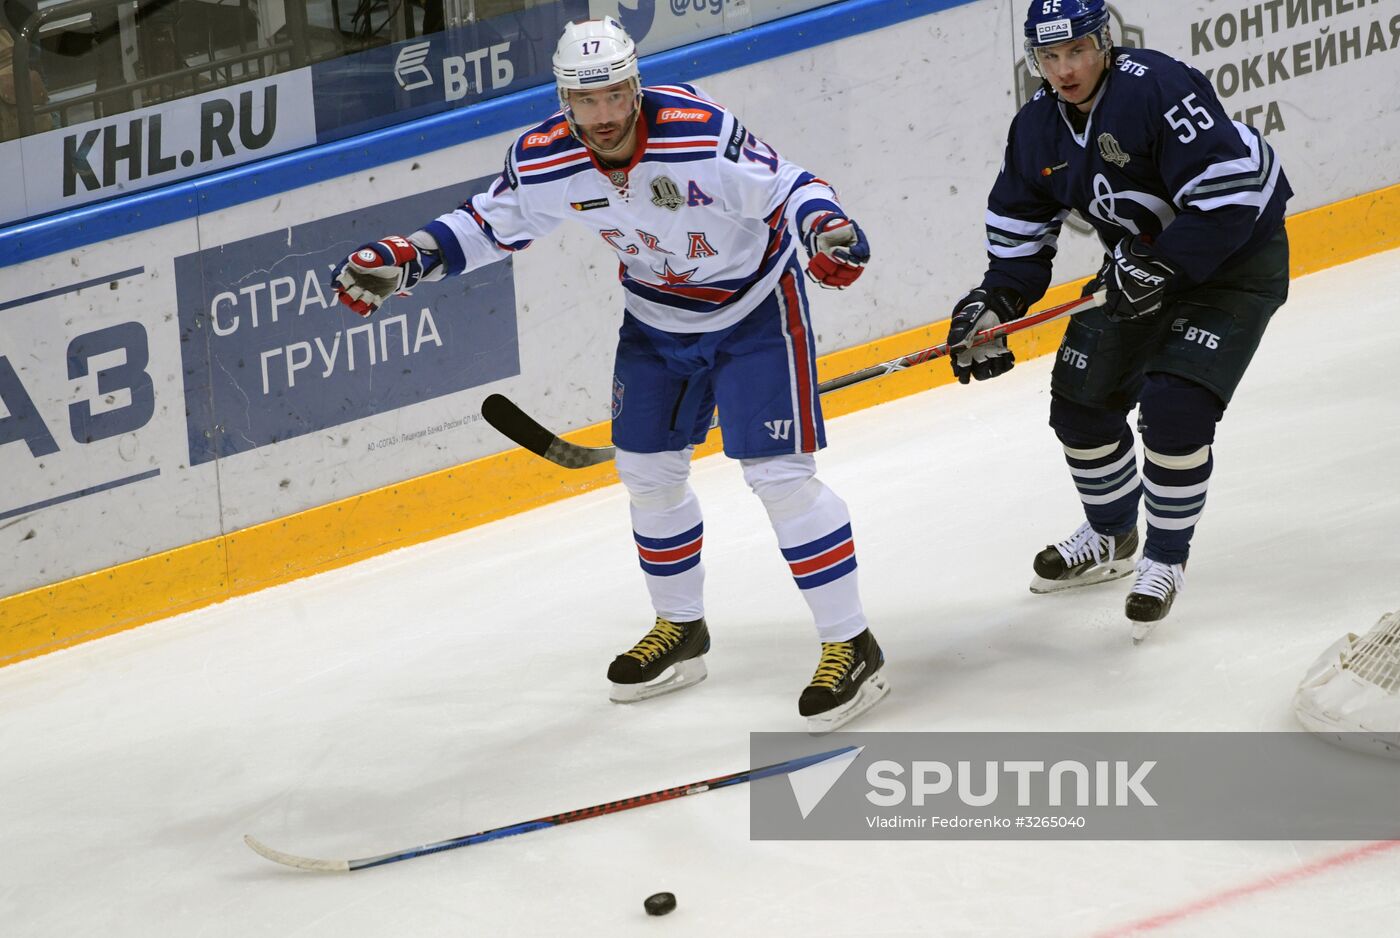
x=503, y=414
x=923, y=356
x=552, y=820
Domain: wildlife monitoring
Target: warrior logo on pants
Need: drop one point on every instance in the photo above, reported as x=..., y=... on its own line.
x=617, y=398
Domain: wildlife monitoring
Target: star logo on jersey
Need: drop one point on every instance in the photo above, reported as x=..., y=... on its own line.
x=673, y=278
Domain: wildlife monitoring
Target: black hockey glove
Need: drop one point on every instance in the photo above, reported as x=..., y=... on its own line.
x=976, y=312
x=1136, y=280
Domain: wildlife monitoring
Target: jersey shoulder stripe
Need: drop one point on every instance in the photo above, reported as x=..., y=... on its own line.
x=490, y=232
x=553, y=168
x=670, y=112
x=681, y=150
x=682, y=90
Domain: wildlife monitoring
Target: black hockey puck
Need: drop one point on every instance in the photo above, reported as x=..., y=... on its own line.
x=660, y=904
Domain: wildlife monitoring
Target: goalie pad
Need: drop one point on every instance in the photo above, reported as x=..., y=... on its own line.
x=1351, y=694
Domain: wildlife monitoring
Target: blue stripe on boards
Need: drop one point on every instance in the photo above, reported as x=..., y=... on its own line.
x=72, y=288
x=81, y=493
x=184, y=200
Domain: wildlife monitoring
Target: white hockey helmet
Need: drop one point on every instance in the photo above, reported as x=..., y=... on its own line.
x=594, y=54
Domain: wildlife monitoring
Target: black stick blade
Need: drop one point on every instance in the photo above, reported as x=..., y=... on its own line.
x=501, y=413
x=512, y=422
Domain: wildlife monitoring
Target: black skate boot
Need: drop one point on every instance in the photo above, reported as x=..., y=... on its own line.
x=1084, y=558
x=1151, y=599
x=674, y=647
x=848, y=682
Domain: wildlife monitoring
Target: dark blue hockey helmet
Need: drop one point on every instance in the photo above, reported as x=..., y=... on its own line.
x=1050, y=22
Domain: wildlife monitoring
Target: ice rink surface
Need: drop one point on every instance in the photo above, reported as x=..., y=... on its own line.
x=459, y=685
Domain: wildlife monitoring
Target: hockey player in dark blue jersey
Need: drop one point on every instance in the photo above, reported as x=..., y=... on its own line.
x=1189, y=206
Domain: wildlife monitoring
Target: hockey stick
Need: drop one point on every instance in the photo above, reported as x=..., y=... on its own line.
x=553, y=820
x=503, y=414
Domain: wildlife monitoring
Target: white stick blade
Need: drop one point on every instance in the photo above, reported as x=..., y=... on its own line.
x=301, y=863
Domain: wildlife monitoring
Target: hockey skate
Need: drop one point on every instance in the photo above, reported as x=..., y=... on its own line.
x=848, y=682
x=1151, y=599
x=1086, y=557
x=669, y=657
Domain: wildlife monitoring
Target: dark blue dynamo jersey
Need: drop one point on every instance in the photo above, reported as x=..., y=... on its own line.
x=1159, y=157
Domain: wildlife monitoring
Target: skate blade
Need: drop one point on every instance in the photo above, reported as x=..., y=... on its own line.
x=1101, y=574
x=1143, y=627
x=871, y=692
x=678, y=676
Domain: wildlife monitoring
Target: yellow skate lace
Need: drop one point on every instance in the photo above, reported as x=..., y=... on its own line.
x=663, y=636
x=837, y=658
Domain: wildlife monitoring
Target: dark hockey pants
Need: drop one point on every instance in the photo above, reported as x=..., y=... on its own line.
x=1180, y=368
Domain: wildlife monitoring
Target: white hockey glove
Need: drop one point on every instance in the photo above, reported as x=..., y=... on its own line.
x=388, y=267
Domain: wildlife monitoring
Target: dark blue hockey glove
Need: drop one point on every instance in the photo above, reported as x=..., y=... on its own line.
x=1136, y=280
x=976, y=312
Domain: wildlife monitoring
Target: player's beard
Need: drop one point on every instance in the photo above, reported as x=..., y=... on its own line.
x=624, y=138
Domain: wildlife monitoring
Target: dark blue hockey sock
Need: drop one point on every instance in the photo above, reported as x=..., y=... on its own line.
x=1175, y=497
x=1177, y=419
x=1107, y=480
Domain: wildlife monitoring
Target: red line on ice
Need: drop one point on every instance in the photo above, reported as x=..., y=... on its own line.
x=1272, y=881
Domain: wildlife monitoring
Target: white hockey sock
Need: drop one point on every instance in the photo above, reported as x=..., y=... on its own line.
x=668, y=547
x=813, y=526
x=668, y=529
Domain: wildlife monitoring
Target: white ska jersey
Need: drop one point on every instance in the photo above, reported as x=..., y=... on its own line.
x=702, y=218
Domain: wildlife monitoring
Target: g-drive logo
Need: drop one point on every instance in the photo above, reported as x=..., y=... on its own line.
x=890, y=784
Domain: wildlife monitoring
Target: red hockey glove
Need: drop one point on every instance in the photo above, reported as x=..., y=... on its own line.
x=379, y=270
x=838, y=251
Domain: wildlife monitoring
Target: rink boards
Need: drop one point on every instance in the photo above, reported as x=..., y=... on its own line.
x=186, y=417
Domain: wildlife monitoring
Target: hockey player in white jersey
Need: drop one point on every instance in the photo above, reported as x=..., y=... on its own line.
x=702, y=215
